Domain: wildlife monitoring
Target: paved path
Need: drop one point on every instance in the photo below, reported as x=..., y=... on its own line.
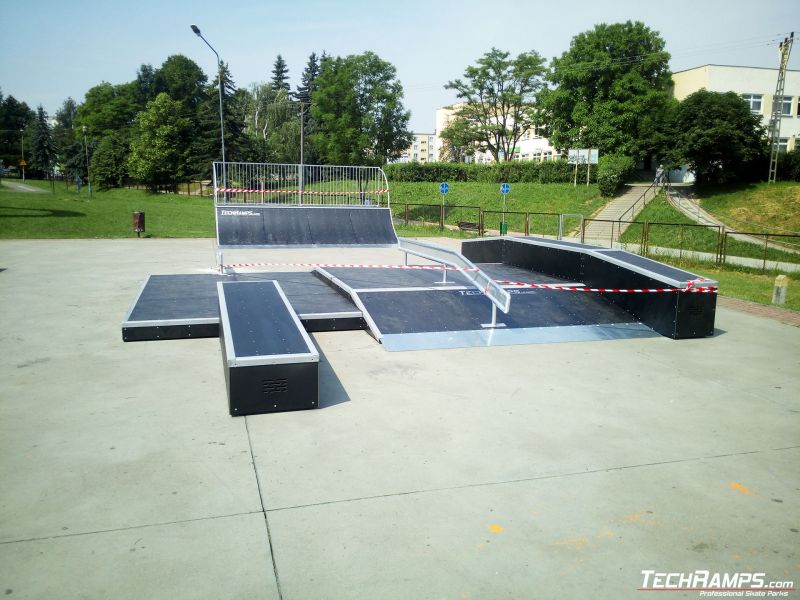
x=20, y=187
x=600, y=231
x=776, y=313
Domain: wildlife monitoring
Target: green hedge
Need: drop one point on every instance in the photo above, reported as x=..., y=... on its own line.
x=612, y=171
x=551, y=171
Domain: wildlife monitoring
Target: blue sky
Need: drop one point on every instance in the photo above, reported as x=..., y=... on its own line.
x=53, y=49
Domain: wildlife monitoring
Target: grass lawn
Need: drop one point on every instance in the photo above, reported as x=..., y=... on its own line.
x=524, y=197
x=755, y=207
x=666, y=232
x=741, y=282
x=65, y=214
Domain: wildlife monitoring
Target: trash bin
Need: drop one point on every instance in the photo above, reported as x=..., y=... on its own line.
x=503, y=228
x=138, y=223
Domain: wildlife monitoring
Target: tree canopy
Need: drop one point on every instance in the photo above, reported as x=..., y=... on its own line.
x=718, y=137
x=359, y=111
x=498, y=100
x=610, y=90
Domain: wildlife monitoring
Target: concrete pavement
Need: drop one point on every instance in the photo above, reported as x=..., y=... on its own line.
x=541, y=471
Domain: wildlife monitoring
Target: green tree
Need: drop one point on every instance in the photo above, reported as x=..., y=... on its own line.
x=159, y=142
x=458, y=141
x=64, y=131
x=359, y=111
x=14, y=119
x=144, y=85
x=110, y=161
x=308, y=85
x=207, y=142
x=43, y=149
x=498, y=96
x=280, y=74
x=610, y=91
x=181, y=79
x=107, y=108
x=719, y=138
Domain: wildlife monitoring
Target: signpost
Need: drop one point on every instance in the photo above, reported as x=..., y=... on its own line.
x=504, y=189
x=582, y=156
x=443, y=189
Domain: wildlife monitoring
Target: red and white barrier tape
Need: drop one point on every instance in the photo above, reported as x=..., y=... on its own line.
x=338, y=265
x=305, y=192
x=691, y=286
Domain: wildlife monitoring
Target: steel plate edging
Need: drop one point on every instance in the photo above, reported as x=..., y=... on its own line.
x=373, y=327
x=135, y=302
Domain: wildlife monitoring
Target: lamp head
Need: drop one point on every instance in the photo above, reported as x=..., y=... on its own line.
x=196, y=29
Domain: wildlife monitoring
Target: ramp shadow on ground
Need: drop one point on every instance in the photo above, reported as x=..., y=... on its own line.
x=332, y=391
x=45, y=212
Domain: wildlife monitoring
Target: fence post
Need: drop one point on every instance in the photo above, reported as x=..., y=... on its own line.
x=406, y=211
x=680, y=248
x=583, y=230
x=764, y=264
x=481, y=230
x=645, y=239
x=527, y=224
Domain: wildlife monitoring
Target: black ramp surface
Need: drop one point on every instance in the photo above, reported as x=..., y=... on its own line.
x=269, y=331
x=181, y=297
x=653, y=266
x=460, y=310
x=271, y=225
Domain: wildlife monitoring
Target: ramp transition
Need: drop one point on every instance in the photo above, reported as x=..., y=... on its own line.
x=293, y=226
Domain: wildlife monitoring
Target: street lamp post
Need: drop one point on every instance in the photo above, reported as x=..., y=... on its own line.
x=196, y=29
x=88, y=172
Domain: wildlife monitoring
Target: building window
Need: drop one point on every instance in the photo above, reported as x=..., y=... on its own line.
x=786, y=106
x=754, y=102
x=783, y=145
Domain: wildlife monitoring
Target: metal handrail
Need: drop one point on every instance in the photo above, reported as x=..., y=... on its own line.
x=640, y=198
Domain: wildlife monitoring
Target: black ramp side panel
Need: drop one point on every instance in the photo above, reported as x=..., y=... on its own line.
x=248, y=324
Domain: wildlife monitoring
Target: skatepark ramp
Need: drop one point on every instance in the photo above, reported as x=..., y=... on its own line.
x=263, y=205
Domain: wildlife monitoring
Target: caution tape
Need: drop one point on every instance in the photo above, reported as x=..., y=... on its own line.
x=694, y=286
x=305, y=192
x=690, y=288
x=346, y=266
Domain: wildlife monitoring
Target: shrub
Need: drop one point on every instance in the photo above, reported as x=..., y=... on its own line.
x=612, y=171
x=551, y=171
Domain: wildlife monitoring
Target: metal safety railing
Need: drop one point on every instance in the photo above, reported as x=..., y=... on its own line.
x=326, y=185
x=499, y=297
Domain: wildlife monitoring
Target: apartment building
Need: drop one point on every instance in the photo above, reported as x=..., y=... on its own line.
x=755, y=85
x=422, y=149
x=531, y=146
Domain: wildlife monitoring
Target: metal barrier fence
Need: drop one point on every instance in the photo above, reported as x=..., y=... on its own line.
x=268, y=183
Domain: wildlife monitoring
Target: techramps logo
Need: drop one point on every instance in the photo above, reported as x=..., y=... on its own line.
x=229, y=212
x=710, y=584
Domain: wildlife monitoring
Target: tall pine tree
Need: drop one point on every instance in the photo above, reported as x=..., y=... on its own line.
x=43, y=150
x=280, y=74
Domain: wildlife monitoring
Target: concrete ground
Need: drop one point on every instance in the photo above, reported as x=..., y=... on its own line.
x=543, y=471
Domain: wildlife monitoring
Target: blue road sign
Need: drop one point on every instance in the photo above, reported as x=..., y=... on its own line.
x=504, y=188
x=444, y=188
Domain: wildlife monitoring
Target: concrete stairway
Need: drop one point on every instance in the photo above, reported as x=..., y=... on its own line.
x=604, y=232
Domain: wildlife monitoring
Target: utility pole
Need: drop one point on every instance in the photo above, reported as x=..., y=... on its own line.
x=88, y=172
x=784, y=48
